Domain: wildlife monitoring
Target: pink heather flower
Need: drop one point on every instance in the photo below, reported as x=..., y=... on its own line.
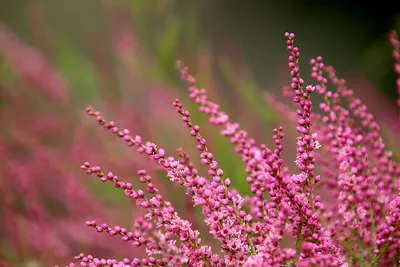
x=299, y=178
x=341, y=207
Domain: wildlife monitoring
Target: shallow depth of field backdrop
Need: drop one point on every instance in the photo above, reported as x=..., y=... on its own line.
x=57, y=57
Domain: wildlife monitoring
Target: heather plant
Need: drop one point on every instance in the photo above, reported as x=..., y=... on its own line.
x=338, y=207
x=44, y=200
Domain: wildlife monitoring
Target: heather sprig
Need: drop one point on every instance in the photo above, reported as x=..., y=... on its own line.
x=339, y=207
x=222, y=208
x=367, y=175
x=161, y=211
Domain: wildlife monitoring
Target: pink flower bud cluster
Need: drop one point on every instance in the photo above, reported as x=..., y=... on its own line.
x=339, y=206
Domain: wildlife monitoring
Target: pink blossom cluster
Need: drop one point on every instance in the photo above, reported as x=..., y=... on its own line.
x=339, y=206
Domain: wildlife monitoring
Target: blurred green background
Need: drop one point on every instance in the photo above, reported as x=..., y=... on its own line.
x=349, y=35
x=119, y=57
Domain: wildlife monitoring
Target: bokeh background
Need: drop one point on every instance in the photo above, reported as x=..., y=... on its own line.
x=57, y=57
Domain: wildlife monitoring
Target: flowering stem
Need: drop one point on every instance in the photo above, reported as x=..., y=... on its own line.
x=383, y=248
x=207, y=160
x=379, y=255
x=244, y=224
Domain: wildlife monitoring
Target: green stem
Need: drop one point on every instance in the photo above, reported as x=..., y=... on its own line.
x=383, y=248
x=378, y=256
x=298, y=239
